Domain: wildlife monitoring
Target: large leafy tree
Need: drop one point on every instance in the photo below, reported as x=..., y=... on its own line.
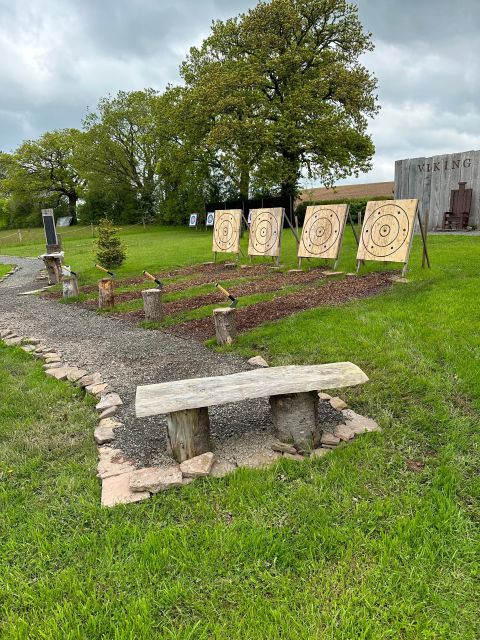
x=124, y=141
x=282, y=93
x=44, y=170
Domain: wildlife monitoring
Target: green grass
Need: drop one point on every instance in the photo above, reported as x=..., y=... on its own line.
x=4, y=268
x=354, y=545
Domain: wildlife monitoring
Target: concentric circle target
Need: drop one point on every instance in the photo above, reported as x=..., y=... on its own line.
x=385, y=231
x=265, y=232
x=226, y=231
x=321, y=231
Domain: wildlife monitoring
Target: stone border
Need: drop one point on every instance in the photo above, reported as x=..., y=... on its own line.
x=9, y=273
x=122, y=483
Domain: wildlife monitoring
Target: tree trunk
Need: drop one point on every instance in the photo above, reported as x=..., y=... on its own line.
x=225, y=329
x=70, y=286
x=296, y=419
x=106, y=293
x=152, y=304
x=188, y=433
x=72, y=206
x=54, y=269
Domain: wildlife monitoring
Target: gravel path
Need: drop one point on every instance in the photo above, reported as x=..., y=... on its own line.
x=127, y=356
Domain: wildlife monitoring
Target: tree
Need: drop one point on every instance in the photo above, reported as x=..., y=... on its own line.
x=43, y=169
x=124, y=141
x=284, y=89
x=110, y=251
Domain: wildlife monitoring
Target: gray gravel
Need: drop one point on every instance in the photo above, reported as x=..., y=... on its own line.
x=127, y=356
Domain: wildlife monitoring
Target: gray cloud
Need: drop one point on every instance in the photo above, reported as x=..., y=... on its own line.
x=58, y=57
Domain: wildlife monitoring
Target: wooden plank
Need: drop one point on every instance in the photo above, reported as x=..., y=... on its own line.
x=194, y=393
x=226, y=231
x=322, y=231
x=387, y=230
x=266, y=232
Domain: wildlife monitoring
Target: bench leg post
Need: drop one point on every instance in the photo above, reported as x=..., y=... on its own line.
x=295, y=417
x=188, y=433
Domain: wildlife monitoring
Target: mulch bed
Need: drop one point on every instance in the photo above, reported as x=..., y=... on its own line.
x=331, y=293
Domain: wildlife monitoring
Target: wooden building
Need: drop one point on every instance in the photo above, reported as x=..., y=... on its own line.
x=440, y=183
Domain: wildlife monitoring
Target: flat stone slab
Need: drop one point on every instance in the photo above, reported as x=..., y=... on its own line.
x=319, y=453
x=293, y=456
x=258, y=361
x=329, y=440
x=91, y=378
x=110, y=400
x=358, y=423
x=97, y=389
x=284, y=447
x=102, y=435
x=221, y=468
x=112, y=463
x=60, y=373
x=13, y=342
x=116, y=490
x=110, y=423
x=343, y=432
x=75, y=374
x=259, y=460
x=324, y=396
x=338, y=404
x=198, y=466
x=154, y=479
x=108, y=413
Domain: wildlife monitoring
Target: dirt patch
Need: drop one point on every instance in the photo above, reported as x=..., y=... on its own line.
x=331, y=293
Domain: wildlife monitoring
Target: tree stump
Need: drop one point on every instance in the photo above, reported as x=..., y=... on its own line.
x=295, y=417
x=54, y=269
x=70, y=286
x=106, y=293
x=225, y=329
x=152, y=304
x=188, y=433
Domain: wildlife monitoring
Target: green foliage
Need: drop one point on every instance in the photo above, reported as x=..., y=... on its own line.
x=3, y=213
x=357, y=205
x=110, y=250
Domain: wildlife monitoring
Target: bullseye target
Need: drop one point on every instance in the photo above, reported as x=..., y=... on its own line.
x=387, y=231
x=322, y=231
x=226, y=231
x=265, y=232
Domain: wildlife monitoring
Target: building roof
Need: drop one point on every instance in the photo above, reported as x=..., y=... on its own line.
x=349, y=191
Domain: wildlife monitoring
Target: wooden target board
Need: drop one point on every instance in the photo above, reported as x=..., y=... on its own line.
x=387, y=230
x=323, y=231
x=266, y=232
x=226, y=231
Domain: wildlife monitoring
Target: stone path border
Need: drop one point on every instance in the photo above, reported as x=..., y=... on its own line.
x=122, y=483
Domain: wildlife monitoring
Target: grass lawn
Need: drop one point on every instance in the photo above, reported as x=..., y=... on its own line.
x=4, y=268
x=378, y=540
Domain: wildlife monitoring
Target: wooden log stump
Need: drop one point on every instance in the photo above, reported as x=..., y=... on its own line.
x=295, y=417
x=106, y=293
x=225, y=329
x=152, y=304
x=53, y=265
x=70, y=286
x=188, y=433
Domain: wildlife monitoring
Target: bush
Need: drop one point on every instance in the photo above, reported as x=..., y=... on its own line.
x=110, y=251
x=357, y=205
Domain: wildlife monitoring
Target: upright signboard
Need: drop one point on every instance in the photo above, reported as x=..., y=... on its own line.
x=323, y=231
x=51, y=237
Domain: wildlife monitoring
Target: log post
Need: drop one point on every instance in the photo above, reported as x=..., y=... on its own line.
x=225, y=329
x=188, y=433
x=54, y=269
x=295, y=417
x=152, y=304
x=106, y=297
x=70, y=286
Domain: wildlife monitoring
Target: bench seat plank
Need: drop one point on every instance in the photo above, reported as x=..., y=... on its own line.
x=195, y=393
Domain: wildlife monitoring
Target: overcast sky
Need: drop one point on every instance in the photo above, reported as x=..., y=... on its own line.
x=58, y=57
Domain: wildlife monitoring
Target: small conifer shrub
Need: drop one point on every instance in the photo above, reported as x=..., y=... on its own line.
x=110, y=250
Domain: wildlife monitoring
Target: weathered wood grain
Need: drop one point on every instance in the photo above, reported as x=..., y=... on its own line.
x=226, y=231
x=194, y=393
x=323, y=231
x=387, y=230
x=266, y=232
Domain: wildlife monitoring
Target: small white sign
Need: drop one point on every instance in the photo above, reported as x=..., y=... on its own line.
x=210, y=219
x=249, y=219
x=193, y=220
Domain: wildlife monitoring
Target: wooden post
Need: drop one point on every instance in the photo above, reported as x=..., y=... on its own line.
x=188, y=433
x=295, y=419
x=106, y=293
x=54, y=269
x=225, y=325
x=152, y=304
x=70, y=286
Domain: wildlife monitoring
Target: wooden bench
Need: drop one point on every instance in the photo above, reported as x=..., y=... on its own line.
x=292, y=391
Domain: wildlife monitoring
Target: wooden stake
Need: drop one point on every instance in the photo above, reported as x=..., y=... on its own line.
x=225, y=329
x=152, y=304
x=70, y=286
x=188, y=433
x=54, y=269
x=106, y=293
